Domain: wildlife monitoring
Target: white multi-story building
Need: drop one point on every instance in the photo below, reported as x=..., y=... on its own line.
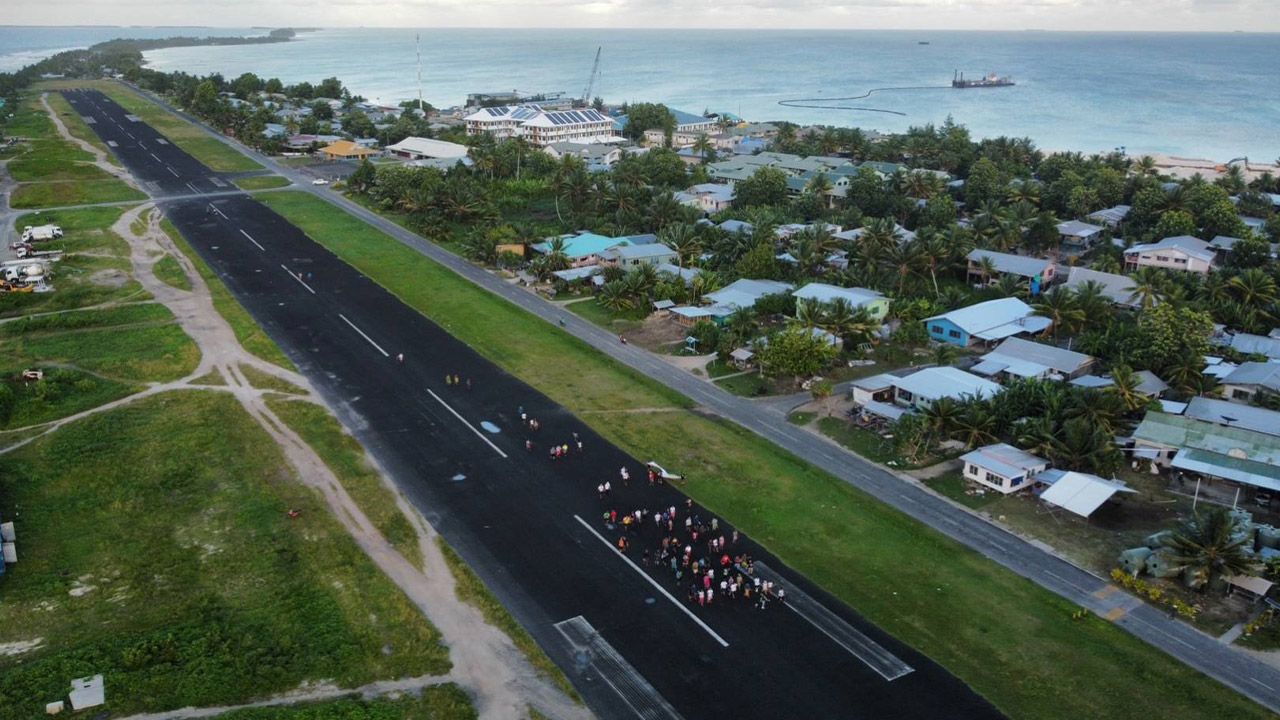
x=540, y=127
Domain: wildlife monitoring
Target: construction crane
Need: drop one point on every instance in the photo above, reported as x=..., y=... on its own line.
x=591, y=81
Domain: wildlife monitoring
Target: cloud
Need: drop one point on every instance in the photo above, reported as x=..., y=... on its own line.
x=1256, y=15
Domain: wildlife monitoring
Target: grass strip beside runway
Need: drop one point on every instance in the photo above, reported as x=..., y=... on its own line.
x=214, y=153
x=472, y=590
x=1013, y=641
x=157, y=549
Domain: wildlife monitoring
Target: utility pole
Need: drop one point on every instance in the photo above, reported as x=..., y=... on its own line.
x=417, y=43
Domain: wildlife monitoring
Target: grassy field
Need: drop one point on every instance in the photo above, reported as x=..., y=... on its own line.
x=443, y=702
x=263, y=381
x=134, y=343
x=98, y=276
x=52, y=171
x=169, y=272
x=74, y=122
x=208, y=150
x=1014, y=639
x=472, y=590
x=261, y=182
x=77, y=192
x=248, y=332
x=346, y=458
x=157, y=551
x=621, y=322
x=62, y=392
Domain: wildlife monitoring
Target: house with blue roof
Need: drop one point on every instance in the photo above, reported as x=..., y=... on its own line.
x=584, y=248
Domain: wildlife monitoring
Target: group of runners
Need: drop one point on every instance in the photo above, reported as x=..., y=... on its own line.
x=701, y=558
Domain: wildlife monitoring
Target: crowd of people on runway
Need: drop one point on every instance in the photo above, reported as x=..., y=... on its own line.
x=701, y=560
x=708, y=565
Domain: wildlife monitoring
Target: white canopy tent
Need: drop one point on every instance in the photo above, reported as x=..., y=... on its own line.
x=1080, y=493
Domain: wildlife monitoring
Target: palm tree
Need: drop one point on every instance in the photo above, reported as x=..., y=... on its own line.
x=1096, y=306
x=975, y=425
x=683, y=238
x=1036, y=435
x=1124, y=385
x=987, y=269
x=1150, y=286
x=664, y=209
x=1255, y=288
x=1088, y=447
x=704, y=282
x=555, y=258
x=704, y=147
x=1145, y=166
x=614, y=296
x=1210, y=545
x=941, y=416
x=819, y=185
x=1060, y=306
x=1186, y=372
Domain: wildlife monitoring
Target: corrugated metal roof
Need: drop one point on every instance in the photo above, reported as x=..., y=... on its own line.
x=744, y=293
x=1012, y=264
x=1182, y=431
x=1082, y=493
x=1264, y=374
x=825, y=293
x=1060, y=359
x=1117, y=288
x=1193, y=246
x=938, y=382
x=1005, y=460
x=1231, y=414
x=990, y=320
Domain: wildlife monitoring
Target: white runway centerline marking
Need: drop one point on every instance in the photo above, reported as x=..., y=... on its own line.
x=298, y=277
x=366, y=337
x=153, y=157
x=175, y=172
x=215, y=209
x=871, y=653
x=654, y=583
x=194, y=189
x=461, y=419
x=255, y=242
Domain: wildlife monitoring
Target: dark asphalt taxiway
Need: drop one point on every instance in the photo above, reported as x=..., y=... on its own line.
x=531, y=527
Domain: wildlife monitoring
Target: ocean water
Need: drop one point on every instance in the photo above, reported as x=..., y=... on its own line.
x=1202, y=95
x=22, y=45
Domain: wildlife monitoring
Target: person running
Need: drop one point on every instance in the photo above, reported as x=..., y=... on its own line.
x=600, y=491
x=468, y=383
x=528, y=445
x=625, y=475
x=400, y=358
x=448, y=379
x=607, y=487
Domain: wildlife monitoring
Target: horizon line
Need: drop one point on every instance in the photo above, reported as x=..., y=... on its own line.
x=657, y=28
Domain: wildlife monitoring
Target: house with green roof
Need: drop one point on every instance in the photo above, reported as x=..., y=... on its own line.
x=1210, y=449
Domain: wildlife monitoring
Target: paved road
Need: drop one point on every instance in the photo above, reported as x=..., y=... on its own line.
x=621, y=629
x=1231, y=666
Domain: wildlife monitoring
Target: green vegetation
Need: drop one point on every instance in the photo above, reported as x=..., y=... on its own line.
x=76, y=192
x=213, y=377
x=953, y=485
x=907, y=578
x=248, y=332
x=134, y=343
x=261, y=182
x=441, y=702
x=801, y=418
x=159, y=551
x=751, y=384
x=265, y=381
x=81, y=280
x=347, y=459
x=472, y=590
x=62, y=392
x=74, y=122
x=169, y=272
x=53, y=171
x=214, y=153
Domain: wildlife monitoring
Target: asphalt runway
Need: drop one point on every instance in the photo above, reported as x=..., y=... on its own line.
x=531, y=527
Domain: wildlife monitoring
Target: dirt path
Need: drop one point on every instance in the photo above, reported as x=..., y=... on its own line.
x=311, y=693
x=485, y=662
x=100, y=159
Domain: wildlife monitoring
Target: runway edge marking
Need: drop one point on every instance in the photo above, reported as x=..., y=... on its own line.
x=871, y=653
x=642, y=697
x=255, y=242
x=654, y=583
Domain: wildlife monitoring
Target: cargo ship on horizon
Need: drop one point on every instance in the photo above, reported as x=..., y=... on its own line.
x=991, y=80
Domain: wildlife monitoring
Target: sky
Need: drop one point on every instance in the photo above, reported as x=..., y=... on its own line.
x=1140, y=15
